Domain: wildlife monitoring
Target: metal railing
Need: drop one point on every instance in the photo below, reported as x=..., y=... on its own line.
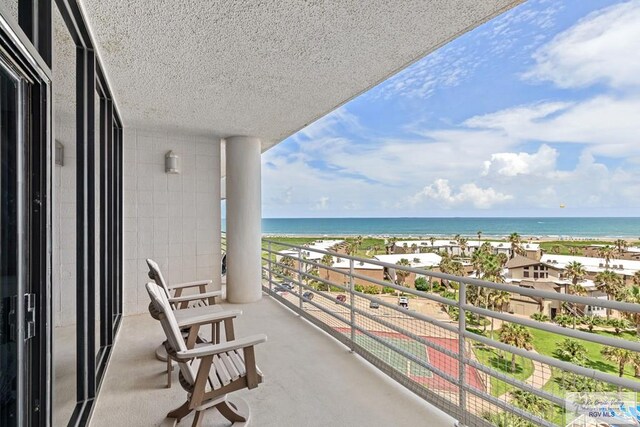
x=440, y=347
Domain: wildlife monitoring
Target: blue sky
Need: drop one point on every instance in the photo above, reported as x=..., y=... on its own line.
x=537, y=108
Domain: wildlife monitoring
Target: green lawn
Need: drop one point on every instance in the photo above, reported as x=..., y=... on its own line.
x=501, y=362
x=564, y=245
x=545, y=343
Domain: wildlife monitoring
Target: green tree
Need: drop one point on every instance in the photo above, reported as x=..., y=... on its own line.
x=464, y=245
x=516, y=244
x=479, y=236
x=618, y=325
x=571, y=351
x=328, y=261
x=621, y=246
x=531, y=403
x=576, y=272
x=401, y=275
x=590, y=322
x=516, y=336
x=504, y=419
x=633, y=296
x=636, y=278
x=610, y=283
x=617, y=355
x=606, y=252
x=564, y=320
x=498, y=301
x=422, y=284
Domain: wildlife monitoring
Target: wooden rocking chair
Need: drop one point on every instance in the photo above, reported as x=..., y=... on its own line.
x=174, y=292
x=186, y=314
x=210, y=371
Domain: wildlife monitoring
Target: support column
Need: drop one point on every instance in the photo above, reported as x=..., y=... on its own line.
x=244, y=216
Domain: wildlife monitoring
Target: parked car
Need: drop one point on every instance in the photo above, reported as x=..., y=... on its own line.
x=287, y=286
x=308, y=295
x=374, y=304
x=341, y=298
x=403, y=302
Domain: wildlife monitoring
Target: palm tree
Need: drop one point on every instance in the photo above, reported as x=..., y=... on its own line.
x=636, y=278
x=516, y=336
x=463, y=245
x=610, y=283
x=576, y=272
x=635, y=362
x=606, y=252
x=573, y=250
x=502, y=259
x=498, y=300
x=621, y=245
x=401, y=275
x=617, y=355
x=533, y=404
x=289, y=262
x=555, y=249
x=633, y=296
x=414, y=248
x=432, y=240
x=516, y=244
x=479, y=236
x=328, y=261
x=571, y=351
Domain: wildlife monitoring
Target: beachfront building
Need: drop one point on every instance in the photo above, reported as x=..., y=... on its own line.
x=426, y=261
x=549, y=273
x=593, y=265
x=628, y=252
x=453, y=247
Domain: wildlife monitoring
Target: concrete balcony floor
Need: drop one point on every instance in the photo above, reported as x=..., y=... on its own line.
x=310, y=380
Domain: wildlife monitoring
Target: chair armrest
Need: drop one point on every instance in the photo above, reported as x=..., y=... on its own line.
x=212, y=349
x=194, y=297
x=203, y=319
x=190, y=284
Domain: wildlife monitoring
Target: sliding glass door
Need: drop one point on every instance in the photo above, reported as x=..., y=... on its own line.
x=23, y=227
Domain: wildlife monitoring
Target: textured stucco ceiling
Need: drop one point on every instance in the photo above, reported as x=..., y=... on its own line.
x=264, y=68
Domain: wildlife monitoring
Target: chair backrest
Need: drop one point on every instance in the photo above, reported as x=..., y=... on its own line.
x=156, y=275
x=170, y=327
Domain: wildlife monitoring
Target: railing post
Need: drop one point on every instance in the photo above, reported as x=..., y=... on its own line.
x=353, y=313
x=300, y=278
x=269, y=264
x=462, y=327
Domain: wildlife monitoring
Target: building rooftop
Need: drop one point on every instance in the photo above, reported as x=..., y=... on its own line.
x=416, y=260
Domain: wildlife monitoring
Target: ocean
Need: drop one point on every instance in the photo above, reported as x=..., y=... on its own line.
x=496, y=227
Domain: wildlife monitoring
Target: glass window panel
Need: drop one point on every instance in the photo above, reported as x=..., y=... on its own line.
x=64, y=224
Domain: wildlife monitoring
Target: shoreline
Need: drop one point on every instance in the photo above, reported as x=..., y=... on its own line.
x=547, y=238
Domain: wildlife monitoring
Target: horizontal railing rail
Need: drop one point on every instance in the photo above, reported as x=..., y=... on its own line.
x=437, y=358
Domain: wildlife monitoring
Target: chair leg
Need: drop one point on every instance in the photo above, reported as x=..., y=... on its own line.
x=197, y=419
x=169, y=370
x=181, y=412
x=235, y=410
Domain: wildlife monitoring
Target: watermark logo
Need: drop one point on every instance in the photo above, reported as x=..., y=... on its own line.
x=607, y=409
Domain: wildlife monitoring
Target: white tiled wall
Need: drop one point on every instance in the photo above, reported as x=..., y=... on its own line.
x=64, y=227
x=172, y=218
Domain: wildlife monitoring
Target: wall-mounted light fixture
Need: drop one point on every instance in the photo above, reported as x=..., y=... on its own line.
x=59, y=154
x=171, y=163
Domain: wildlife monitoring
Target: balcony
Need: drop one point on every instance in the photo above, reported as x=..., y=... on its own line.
x=310, y=379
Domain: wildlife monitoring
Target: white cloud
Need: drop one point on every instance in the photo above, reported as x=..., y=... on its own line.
x=601, y=48
x=440, y=191
x=512, y=164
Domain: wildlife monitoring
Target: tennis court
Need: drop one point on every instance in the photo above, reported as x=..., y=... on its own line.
x=396, y=360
